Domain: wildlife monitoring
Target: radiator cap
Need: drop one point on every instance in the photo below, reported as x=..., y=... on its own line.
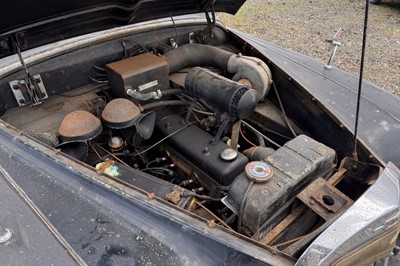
x=258, y=171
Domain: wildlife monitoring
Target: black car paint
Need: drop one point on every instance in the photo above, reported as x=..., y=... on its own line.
x=34, y=24
x=109, y=225
x=335, y=91
x=106, y=226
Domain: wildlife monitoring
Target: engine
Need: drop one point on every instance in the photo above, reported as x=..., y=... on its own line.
x=181, y=125
x=206, y=152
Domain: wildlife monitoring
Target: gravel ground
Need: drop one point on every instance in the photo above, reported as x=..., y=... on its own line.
x=304, y=25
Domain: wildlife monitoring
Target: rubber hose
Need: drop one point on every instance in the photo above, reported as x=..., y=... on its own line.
x=164, y=103
x=197, y=55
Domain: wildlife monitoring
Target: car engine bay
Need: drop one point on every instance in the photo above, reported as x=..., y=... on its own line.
x=186, y=123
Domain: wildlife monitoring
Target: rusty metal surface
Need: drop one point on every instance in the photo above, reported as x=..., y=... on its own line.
x=79, y=125
x=120, y=113
x=279, y=229
x=235, y=134
x=47, y=117
x=324, y=199
x=337, y=177
x=145, y=72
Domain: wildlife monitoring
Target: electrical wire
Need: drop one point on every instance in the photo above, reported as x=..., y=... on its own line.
x=99, y=68
x=262, y=135
x=92, y=79
x=158, y=142
x=204, y=197
x=90, y=144
x=156, y=170
x=112, y=155
x=157, y=160
x=176, y=31
x=213, y=215
x=244, y=137
x=185, y=97
x=202, y=112
x=164, y=103
x=283, y=110
x=138, y=44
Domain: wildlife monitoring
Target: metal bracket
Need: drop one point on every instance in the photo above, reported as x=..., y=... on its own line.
x=335, y=44
x=225, y=118
x=324, y=199
x=191, y=37
x=21, y=90
x=31, y=88
x=206, y=34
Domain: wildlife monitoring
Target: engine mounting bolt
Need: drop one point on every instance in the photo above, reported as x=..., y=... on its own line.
x=341, y=126
x=312, y=202
x=371, y=156
x=259, y=63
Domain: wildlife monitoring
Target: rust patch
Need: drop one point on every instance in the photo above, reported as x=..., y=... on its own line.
x=211, y=224
x=79, y=125
x=151, y=196
x=324, y=199
x=174, y=197
x=120, y=111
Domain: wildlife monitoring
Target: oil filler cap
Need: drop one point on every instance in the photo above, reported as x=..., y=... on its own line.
x=258, y=171
x=229, y=154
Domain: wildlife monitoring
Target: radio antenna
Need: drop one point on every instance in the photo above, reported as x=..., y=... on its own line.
x=364, y=42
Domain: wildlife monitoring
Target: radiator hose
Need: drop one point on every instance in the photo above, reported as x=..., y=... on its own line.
x=250, y=69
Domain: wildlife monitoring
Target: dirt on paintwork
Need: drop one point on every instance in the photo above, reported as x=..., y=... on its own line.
x=304, y=26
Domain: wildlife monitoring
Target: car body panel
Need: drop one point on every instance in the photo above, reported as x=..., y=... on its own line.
x=375, y=213
x=33, y=25
x=379, y=124
x=31, y=239
x=106, y=222
x=109, y=224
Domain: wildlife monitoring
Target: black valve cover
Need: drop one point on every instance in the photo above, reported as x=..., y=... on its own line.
x=193, y=144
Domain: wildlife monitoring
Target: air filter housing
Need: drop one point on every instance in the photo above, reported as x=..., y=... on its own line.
x=223, y=94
